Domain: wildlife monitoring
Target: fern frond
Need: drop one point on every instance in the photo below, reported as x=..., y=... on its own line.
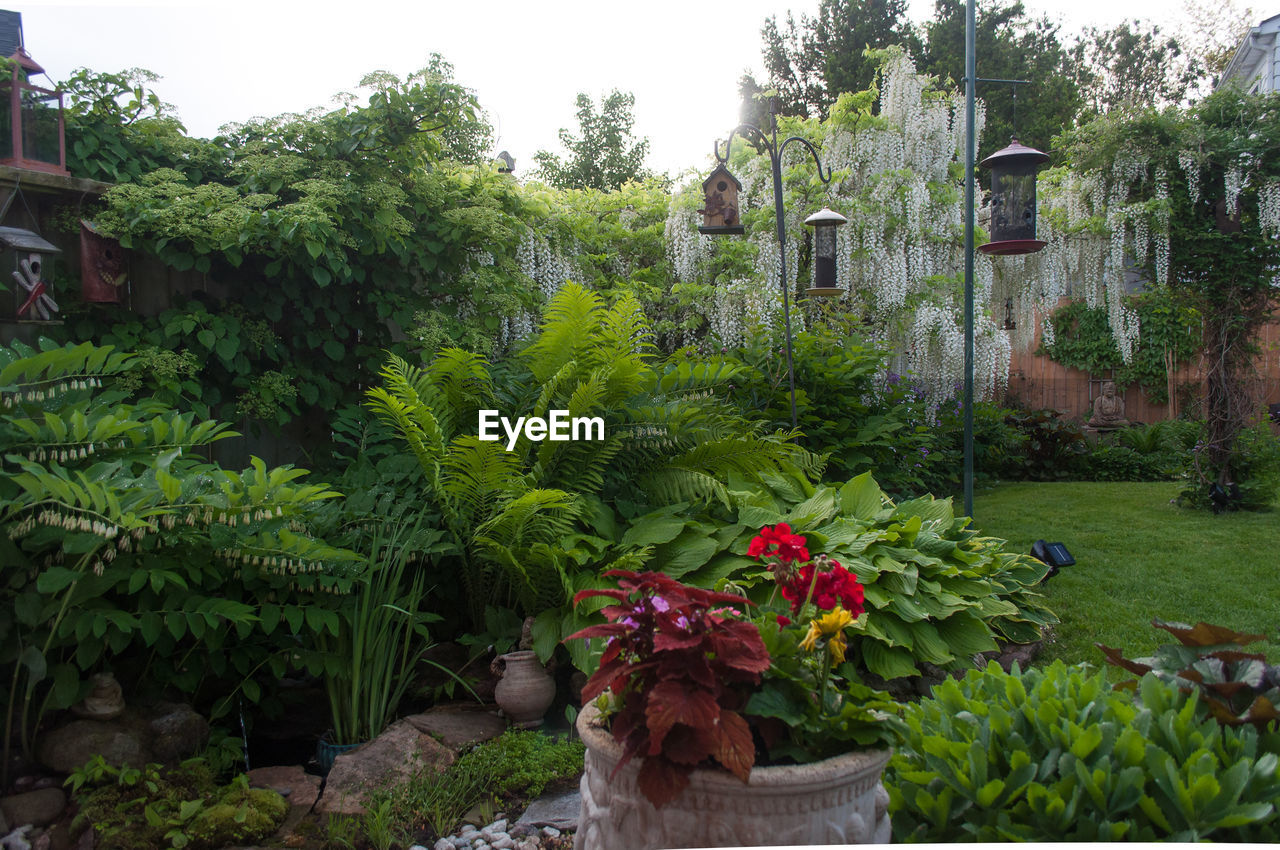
x=413, y=421
x=571, y=319
x=461, y=382
x=476, y=474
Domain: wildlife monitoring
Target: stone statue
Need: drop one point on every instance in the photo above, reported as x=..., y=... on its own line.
x=105, y=700
x=1108, y=409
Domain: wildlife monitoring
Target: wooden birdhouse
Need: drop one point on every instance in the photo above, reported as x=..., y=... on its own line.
x=720, y=204
x=103, y=274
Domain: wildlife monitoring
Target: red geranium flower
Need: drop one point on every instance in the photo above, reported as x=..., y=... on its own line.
x=834, y=586
x=779, y=542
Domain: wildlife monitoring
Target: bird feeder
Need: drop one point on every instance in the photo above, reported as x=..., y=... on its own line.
x=29, y=257
x=1013, y=200
x=720, y=204
x=824, y=224
x=32, y=133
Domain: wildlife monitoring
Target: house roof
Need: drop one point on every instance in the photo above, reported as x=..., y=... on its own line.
x=10, y=32
x=721, y=170
x=1252, y=48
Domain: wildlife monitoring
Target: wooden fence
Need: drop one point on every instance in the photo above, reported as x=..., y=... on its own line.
x=1038, y=382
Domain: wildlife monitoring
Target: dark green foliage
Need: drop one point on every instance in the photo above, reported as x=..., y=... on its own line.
x=1121, y=463
x=123, y=547
x=1052, y=448
x=330, y=234
x=1256, y=469
x=605, y=155
x=150, y=808
x=1235, y=686
x=1083, y=340
x=1132, y=66
x=1055, y=755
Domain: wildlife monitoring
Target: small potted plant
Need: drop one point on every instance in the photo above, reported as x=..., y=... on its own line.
x=712, y=722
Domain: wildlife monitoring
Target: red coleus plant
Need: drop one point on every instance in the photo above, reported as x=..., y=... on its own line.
x=681, y=665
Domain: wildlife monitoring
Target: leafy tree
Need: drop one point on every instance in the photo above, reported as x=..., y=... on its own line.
x=605, y=154
x=1214, y=32
x=1132, y=66
x=811, y=62
x=328, y=234
x=1009, y=46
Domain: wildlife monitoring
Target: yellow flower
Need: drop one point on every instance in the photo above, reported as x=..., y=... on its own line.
x=831, y=626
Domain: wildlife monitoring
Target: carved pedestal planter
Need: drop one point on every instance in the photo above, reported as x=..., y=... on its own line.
x=837, y=801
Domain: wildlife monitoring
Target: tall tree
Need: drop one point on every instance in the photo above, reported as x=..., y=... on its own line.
x=1132, y=66
x=1214, y=31
x=1009, y=46
x=811, y=61
x=605, y=154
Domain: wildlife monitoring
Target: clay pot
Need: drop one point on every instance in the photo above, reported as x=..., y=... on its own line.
x=526, y=690
x=836, y=801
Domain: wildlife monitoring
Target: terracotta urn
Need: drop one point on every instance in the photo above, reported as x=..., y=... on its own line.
x=836, y=801
x=526, y=690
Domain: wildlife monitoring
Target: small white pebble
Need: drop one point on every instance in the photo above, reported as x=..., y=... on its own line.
x=500, y=825
x=503, y=842
x=550, y=832
x=528, y=844
x=442, y=844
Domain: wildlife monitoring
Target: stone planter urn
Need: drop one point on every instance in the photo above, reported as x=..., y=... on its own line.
x=836, y=801
x=526, y=690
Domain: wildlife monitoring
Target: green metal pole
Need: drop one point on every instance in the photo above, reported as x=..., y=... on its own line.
x=775, y=159
x=970, y=154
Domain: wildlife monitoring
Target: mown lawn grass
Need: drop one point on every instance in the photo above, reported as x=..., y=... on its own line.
x=1139, y=557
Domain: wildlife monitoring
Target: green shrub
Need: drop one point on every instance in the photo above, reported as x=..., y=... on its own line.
x=524, y=762
x=1054, y=755
x=1255, y=471
x=517, y=763
x=1121, y=463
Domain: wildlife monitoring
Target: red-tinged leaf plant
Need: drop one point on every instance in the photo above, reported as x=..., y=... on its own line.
x=680, y=663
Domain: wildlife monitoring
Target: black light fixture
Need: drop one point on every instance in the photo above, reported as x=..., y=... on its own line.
x=1013, y=200
x=824, y=224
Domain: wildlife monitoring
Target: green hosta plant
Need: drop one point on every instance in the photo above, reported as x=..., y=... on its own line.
x=124, y=549
x=1055, y=755
x=1236, y=686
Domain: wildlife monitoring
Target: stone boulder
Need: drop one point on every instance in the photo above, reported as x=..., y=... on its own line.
x=457, y=726
x=298, y=787
x=166, y=733
x=37, y=808
x=390, y=759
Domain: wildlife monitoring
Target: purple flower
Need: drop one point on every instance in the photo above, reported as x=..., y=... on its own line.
x=630, y=622
x=660, y=604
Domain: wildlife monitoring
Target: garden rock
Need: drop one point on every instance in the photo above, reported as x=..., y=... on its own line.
x=34, y=807
x=299, y=788
x=178, y=732
x=166, y=733
x=459, y=725
x=70, y=747
x=390, y=759
x=558, y=811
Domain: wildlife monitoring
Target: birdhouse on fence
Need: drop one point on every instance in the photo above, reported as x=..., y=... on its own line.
x=102, y=267
x=720, y=204
x=1013, y=200
x=32, y=133
x=29, y=258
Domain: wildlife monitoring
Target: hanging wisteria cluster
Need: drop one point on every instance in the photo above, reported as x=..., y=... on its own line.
x=549, y=269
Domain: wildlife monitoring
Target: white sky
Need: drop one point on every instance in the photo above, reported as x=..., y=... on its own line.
x=233, y=60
